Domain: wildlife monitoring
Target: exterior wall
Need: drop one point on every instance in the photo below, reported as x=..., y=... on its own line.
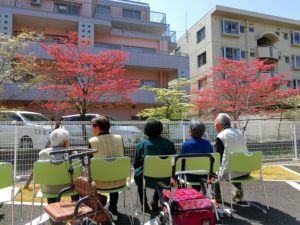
x=248, y=41
x=148, y=60
x=137, y=42
x=215, y=40
x=6, y=21
x=188, y=44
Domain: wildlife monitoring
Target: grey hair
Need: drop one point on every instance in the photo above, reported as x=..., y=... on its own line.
x=58, y=137
x=224, y=119
x=197, y=128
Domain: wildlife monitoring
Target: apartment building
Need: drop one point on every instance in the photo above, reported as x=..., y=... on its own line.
x=109, y=24
x=242, y=35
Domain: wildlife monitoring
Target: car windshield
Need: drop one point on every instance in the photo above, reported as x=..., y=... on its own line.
x=34, y=117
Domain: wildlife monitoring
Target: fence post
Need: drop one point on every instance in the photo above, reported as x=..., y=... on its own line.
x=295, y=142
x=260, y=131
x=15, y=150
x=183, y=131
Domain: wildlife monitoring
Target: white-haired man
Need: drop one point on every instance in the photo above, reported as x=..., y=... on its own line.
x=229, y=140
x=59, y=139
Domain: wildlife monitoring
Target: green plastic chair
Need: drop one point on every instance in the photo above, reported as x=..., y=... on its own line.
x=113, y=169
x=48, y=174
x=246, y=163
x=8, y=191
x=159, y=166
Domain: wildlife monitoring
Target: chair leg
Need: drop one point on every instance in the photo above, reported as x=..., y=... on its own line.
x=41, y=211
x=22, y=207
x=266, y=198
x=12, y=206
x=131, y=207
x=221, y=190
x=231, y=208
x=31, y=212
x=143, y=205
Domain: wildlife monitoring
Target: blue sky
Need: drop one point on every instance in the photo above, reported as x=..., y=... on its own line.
x=176, y=10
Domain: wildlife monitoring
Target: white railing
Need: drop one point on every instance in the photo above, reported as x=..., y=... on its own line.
x=20, y=143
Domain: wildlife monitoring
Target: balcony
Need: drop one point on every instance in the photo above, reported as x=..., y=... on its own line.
x=267, y=52
x=171, y=37
x=13, y=91
x=139, y=19
x=137, y=56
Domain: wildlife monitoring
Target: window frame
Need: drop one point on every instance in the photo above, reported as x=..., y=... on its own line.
x=101, y=11
x=203, y=61
x=224, y=21
x=200, y=35
x=293, y=39
x=295, y=66
x=132, y=11
x=232, y=49
x=69, y=10
x=143, y=83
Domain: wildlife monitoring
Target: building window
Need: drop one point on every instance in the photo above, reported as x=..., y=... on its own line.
x=64, y=8
x=285, y=36
x=103, y=10
x=201, y=59
x=287, y=59
x=243, y=54
x=295, y=38
x=201, y=84
x=201, y=34
x=242, y=29
x=251, y=29
x=252, y=54
x=231, y=27
x=296, y=62
x=149, y=83
x=132, y=14
x=232, y=53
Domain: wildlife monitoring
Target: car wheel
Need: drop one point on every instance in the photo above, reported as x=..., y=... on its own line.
x=26, y=142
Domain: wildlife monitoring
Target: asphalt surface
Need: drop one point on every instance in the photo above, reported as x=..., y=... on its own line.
x=284, y=201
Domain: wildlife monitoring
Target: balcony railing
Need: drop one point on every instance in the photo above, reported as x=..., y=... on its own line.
x=75, y=8
x=135, y=49
x=171, y=36
x=86, y=9
x=144, y=15
x=266, y=51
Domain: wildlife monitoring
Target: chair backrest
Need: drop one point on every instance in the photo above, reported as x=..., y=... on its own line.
x=193, y=164
x=216, y=155
x=47, y=173
x=6, y=172
x=110, y=169
x=245, y=163
x=158, y=166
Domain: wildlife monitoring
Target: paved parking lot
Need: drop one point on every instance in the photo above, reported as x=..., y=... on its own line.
x=284, y=200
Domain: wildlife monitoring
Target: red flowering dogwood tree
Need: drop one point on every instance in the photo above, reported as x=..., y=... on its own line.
x=241, y=87
x=80, y=79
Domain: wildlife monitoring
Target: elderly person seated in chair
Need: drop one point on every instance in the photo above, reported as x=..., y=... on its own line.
x=107, y=145
x=59, y=140
x=229, y=140
x=153, y=145
x=197, y=145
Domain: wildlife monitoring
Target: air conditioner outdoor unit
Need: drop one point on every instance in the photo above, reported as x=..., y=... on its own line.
x=35, y=2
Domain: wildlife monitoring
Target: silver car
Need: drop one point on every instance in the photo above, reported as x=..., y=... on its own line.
x=23, y=129
x=76, y=127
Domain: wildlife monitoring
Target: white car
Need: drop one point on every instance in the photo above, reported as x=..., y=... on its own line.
x=26, y=129
x=130, y=134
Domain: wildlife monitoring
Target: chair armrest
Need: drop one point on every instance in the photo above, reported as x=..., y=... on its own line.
x=61, y=192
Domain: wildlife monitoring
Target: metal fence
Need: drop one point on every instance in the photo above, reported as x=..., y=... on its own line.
x=21, y=142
